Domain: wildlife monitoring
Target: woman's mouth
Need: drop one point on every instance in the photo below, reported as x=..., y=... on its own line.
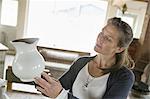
x=99, y=46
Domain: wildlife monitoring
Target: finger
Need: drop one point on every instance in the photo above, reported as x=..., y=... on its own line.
x=44, y=77
x=48, y=78
x=41, y=90
x=47, y=73
x=41, y=82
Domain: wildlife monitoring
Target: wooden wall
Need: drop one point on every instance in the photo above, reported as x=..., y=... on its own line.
x=143, y=53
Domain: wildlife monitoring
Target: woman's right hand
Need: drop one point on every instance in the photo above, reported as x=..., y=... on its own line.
x=48, y=85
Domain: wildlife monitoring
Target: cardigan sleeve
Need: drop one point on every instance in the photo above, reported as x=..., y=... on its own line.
x=65, y=95
x=66, y=82
x=62, y=95
x=119, y=85
x=68, y=78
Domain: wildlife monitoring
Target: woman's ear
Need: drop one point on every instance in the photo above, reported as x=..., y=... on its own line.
x=120, y=49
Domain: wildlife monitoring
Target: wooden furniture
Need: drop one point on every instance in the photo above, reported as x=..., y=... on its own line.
x=133, y=48
x=11, y=78
x=143, y=51
x=60, y=55
x=143, y=55
x=57, y=61
x=3, y=50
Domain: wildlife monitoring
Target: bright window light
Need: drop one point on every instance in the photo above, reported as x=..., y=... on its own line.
x=66, y=24
x=9, y=12
x=131, y=19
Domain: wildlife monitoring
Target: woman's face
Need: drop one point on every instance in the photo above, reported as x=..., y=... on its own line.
x=107, y=41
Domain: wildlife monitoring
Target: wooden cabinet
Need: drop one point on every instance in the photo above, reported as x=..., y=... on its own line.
x=3, y=50
x=143, y=51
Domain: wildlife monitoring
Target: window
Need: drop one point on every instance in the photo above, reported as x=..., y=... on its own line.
x=134, y=16
x=9, y=12
x=66, y=24
x=131, y=19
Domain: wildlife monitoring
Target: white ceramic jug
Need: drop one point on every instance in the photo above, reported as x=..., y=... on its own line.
x=28, y=62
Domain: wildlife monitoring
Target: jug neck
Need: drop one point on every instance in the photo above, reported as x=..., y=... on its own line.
x=27, y=40
x=20, y=46
x=26, y=44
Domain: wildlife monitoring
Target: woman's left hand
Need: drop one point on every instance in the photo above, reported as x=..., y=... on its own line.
x=48, y=85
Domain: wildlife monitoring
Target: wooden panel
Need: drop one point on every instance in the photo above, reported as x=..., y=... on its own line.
x=60, y=55
x=143, y=53
x=11, y=78
x=133, y=48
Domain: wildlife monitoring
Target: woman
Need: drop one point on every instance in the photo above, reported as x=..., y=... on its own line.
x=104, y=76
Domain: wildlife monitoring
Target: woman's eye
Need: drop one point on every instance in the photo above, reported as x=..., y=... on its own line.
x=108, y=39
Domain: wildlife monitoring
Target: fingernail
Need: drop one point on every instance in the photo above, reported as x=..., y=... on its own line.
x=49, y=74
x=36, y=78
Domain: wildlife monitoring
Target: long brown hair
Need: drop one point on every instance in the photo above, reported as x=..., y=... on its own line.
x=125, y=38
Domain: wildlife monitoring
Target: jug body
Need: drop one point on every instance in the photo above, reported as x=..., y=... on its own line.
x=28, y=62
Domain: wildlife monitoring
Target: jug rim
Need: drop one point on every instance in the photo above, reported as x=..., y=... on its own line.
x=26, y=40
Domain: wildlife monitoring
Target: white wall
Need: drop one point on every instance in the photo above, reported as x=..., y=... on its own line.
x=8, y=33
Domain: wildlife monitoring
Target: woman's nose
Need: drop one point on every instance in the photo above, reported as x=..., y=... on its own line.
x=100, y=40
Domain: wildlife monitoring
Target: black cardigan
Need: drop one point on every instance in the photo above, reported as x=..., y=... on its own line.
x=118, y=85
